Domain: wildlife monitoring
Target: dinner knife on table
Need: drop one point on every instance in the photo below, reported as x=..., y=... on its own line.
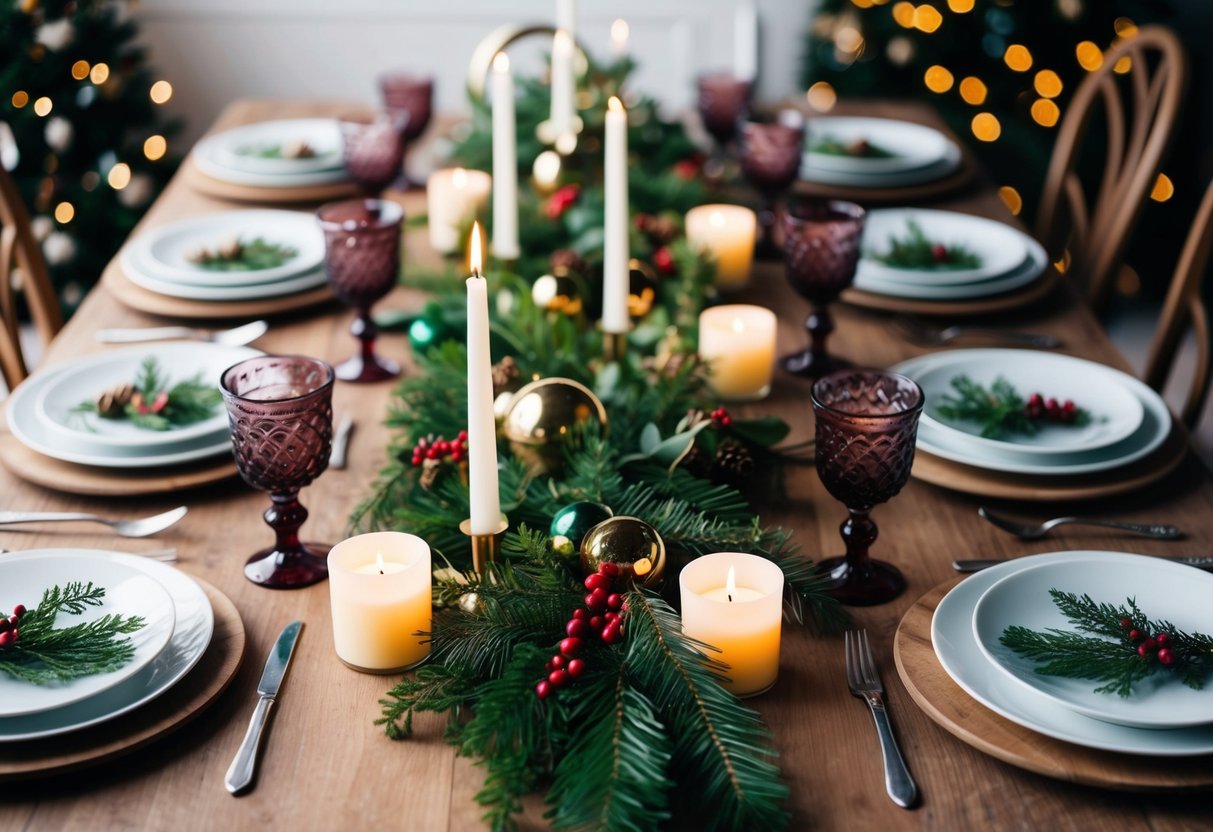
x=244, y=767
x=1199, y=561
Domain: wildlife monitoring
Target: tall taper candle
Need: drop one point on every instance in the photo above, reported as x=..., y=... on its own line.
x=482, y=434
x=563, y=89
x=505, y=162
x=745, y=42
x=615, y=252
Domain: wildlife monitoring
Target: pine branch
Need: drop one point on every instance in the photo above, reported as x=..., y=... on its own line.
x=438, y=688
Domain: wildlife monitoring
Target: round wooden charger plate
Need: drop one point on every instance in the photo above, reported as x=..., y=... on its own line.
x=905, y=194
x=994, y=304
x=947, y=704
x=144, y=300
x=173, y=709
x=58, y=475
x=1151, y=468
x=211, y=186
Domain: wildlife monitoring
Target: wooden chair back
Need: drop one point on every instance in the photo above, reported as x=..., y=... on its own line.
x=1184, y=310
x=22, y=271
x=1093, y=233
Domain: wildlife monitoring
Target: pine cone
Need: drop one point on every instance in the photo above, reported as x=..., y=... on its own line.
x=297, y=150
x=112, y=403
x=564, y=258
x=230, y=249
x=505, y=373
x=697, y=463
x=734, y=462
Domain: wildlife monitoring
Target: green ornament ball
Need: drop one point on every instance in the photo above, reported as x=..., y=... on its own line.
x=570, y=524
x=429, y=331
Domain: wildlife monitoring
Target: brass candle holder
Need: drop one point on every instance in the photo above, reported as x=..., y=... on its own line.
x=614, y=345
x=486, y=548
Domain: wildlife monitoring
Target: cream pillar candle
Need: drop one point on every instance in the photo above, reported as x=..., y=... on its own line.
x=727, y=233
x=379, y=590
x=745, y=42
x=733, y=602
x=505, y=162
x=482, y=429
x=563, y=87
x=738, y=343
x=453, y=197
x=615, y=254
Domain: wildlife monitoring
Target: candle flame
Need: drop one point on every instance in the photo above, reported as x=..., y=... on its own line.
x=379, y=562
x=615, y=104
x=459, y=178
x=738, y=326
x=501, y=63
x=730, y=583
x=476, y=259
x=562, y=42
x=619, y=32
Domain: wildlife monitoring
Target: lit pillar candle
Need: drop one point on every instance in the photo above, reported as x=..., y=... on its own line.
x=733, y=602
x=738, y=343
x=745, y=42
x=615, y=252
x=505, y=162
x=454, y=196
x=619, y=38
x=726, y=233
x=563, y=88
x=482, y=434
x=379, y=588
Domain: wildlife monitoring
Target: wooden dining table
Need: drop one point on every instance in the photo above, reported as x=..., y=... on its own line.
x=327, y=764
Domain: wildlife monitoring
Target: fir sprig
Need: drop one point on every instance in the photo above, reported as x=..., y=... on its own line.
x=1123, y=648
x=1000, y=411
x=917, y=251
x=44, y=655
x=254, y=255
x=156, y=406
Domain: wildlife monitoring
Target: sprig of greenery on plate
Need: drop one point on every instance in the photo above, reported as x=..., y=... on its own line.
x=240, y=256
x=857, y=149
x=151, y=404
x=1001, y=410
x=917, y=251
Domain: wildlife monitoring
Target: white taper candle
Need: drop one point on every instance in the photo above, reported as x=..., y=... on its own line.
x=615, y=253
x=505, y=162
x=482, y=434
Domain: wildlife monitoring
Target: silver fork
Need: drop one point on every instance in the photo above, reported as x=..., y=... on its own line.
x=1034, y=531
x=864, y=680
x=915, y=330
x=141, y=527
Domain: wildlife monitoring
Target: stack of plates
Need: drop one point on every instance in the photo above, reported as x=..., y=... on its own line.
x=1163, y=717
x=919, y=154
x=180, y=623
x=1128, y=419
x=159, y=259
x=42, y=411
x=247, y=155
x=1009, y=258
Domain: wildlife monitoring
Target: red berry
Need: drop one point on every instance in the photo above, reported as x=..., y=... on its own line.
x=463, y=436
x=612, y=633
x=569, y=646
x=432, y=453
x=417, y=460
x=597, y=581
x=1036, y=399
x=576, y=668
x=1134, y=634
x=597, y=600
x=581, y=615
x=18, y=610
x=1163, y=639
x=1149, y=644
x=457, y=456
x=547, y=666
x=610, y=616
x=664, y=261
x=940, y=252
x=609, y=569
x=1143, y=651
x=596, y=623
x=543, y=689
x=1068, y=406
x=558, y=678
x=5, y=625
x=556, y=663
x=577, y=628
x=1125, y=623
x=614, y=600
x=1051, y=403
x=7, y=638
x=1165, y=656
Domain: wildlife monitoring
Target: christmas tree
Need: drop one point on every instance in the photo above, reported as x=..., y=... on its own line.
x=81, y=130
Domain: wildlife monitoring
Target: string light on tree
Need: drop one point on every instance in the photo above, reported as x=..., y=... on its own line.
x=43, y=106
x=938, y=79
x=1163, y=189
x=161, y=92
x=80, y=70
x=1011, y=199
x=1045, y=112
x=927, y=18
x=20, y=99
x=1017, y=57
x=973, y=91
x=1090, y=56
x=99, y=74
x=960, y=6
x=821, y=96
x=155, y=147
x=119, y=176
x=1048, y=84
x=903, y=13
x=986, y=127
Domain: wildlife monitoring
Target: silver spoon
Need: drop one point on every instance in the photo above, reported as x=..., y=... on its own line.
x=236, y=337
x=917, y=331
x=1033, y=531
x=142, y=527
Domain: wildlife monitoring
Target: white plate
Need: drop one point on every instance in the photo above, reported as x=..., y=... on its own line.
x=82, y=380
x=194, y=626
x=1154, y=428
x=1000, y=247
x=915, y=145
x=892, y=179
x=289, y=286
x=163, y=253
x=32, y=431
x=1027, y=272
x=231, y=147
x=128, y=592
x=1105, y=393
x=957, y=650
x=212, y=159
x=1161, y=590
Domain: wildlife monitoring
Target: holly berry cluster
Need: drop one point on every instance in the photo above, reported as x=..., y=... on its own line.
x=721, y=417
x=1160, y=646
x=438, y=448
x=940, y=253
x=1039, y=408
x=8, y=626
x=602, y=616
x=561, y=200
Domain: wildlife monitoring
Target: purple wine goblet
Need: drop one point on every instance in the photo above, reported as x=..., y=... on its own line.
x=373, y=151
x=867, y=422
x=722, y=101
x=413, y=97
x=280, y=411
x=820, y=253
x=771, y=152
x=362, y=261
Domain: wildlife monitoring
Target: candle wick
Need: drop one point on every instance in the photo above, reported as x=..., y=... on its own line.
x=381, y=572
x=730, y=597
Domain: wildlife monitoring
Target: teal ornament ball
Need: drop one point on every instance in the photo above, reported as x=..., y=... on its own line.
x=570, y=524
x=430, y=330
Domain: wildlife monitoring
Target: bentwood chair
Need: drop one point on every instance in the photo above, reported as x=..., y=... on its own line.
x=1089, y=229
x=22, y=270
x=1184, y=310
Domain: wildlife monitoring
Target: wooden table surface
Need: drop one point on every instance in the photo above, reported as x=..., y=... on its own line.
x=326, y=763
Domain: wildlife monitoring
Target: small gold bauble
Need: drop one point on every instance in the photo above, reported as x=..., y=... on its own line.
x=642, y=288
x=542, y=416
x=558, y=292
x=630, y=543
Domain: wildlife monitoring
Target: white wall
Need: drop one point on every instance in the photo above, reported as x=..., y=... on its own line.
x=214, y=51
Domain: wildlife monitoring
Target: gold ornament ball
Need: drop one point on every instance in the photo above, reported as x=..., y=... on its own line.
x=558, y=292
x=642, y=288
x=629, y=542
x=543, y=414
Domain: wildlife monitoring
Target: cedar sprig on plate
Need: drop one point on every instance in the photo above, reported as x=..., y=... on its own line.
x=917, y=251
x=151, y=404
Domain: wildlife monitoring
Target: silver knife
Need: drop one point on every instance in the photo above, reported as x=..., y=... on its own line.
x=1200, y=562
x=341, y=442
x=242, y=770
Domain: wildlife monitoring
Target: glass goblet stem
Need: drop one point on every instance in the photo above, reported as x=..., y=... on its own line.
x=285, y=516
x=288, y=563
x=859, y=580
x=767, y=248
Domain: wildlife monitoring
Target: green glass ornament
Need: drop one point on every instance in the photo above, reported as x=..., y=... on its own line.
x=428, y=332
x=570, y=524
